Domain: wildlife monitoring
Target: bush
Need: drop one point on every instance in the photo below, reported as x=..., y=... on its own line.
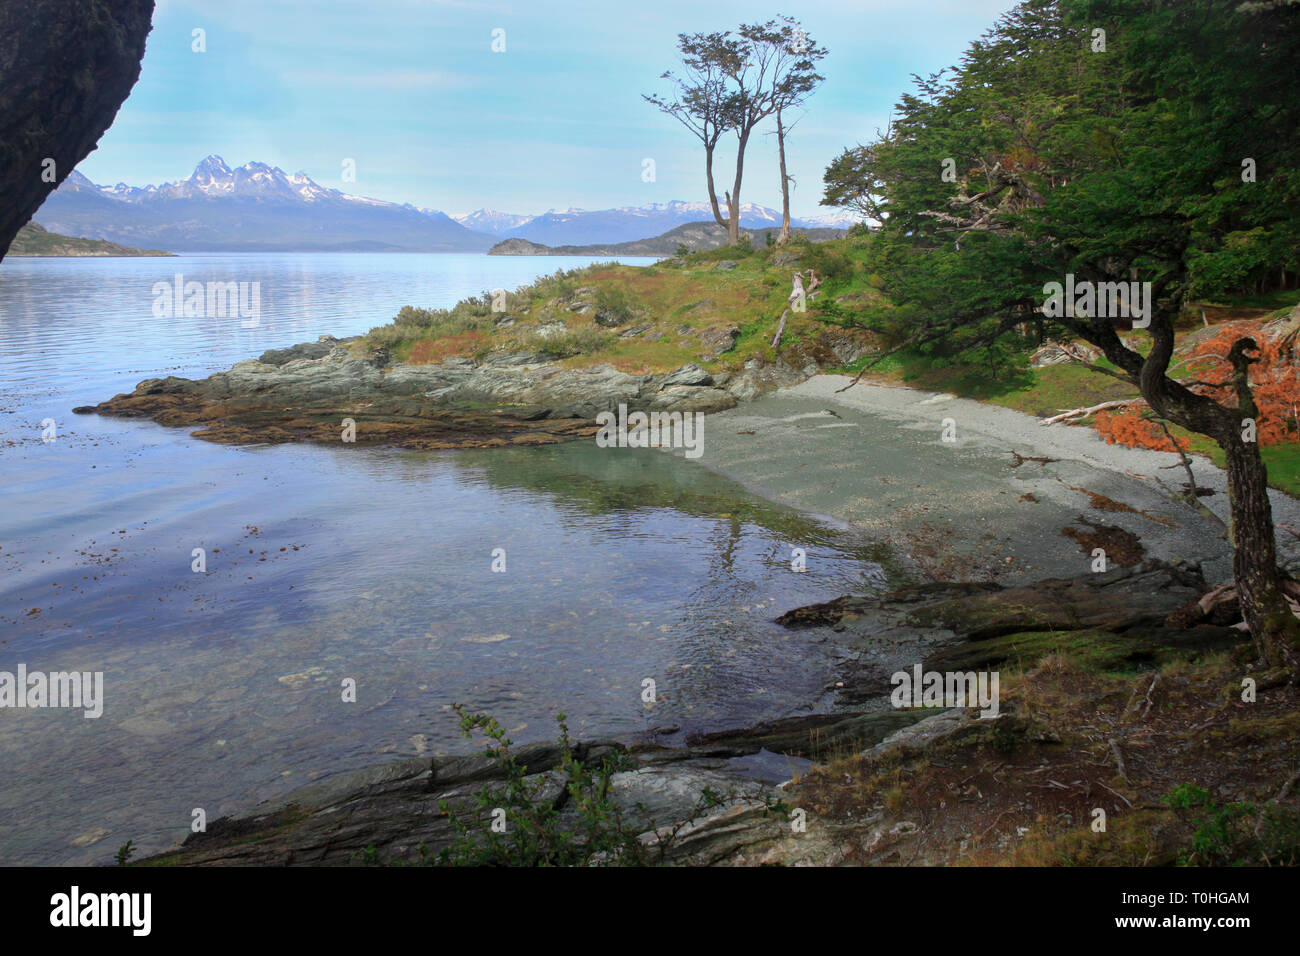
x=612, y=308
x=535, y=833
x=532, y=835
x=582, y=341
x=832, y=266
x=1234, y=834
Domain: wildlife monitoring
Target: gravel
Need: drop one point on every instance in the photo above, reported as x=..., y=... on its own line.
x=874, y=458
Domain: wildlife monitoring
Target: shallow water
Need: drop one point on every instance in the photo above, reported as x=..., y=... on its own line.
x=328, y=563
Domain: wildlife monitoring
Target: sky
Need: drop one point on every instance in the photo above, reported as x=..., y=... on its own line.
x=412, y=92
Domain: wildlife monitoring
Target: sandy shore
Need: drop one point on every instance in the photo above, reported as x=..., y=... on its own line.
x=873, y=457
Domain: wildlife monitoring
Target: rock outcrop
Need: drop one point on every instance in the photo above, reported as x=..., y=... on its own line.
x=66, y=66
x=305, y=392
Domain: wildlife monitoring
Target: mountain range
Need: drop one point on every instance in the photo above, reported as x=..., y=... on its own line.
x=694, y=236
x=260, y=208
x=627, y=223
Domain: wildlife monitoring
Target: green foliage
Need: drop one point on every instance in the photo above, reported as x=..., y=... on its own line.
x=833, y=267
x=474, y=313
x=1234, y=834
x=124, y=853
x=612, y=306
x=581, y=341
x=1035, y=157
x=533, y=834
x=586, y=828
x=739, y=250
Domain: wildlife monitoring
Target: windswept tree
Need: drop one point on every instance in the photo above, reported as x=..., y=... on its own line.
x=1100, y=143
x=732, y=83
x=792, y=79
x=702, y=102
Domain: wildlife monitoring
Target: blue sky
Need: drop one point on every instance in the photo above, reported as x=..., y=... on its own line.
x=411, y=90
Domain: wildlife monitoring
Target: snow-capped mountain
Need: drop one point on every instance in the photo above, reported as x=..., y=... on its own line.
x=628, y=223
x=253, y=207
x=490, y=221
x=260, y=207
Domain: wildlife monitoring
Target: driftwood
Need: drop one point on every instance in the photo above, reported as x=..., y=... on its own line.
x=780, y=329
x=1119, y=759
x=796, y=291
x=1090, y=410
x=1227, y=593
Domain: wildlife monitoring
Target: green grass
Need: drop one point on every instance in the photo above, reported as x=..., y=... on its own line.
x=1278, y=299
x=681, y=304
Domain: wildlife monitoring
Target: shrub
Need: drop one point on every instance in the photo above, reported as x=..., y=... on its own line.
x=597, y=832
x=1234, y=834
x=581, y=341
x=832, y=266
x=612, y=308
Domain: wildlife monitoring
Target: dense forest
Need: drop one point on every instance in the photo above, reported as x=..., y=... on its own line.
x=1131, y=149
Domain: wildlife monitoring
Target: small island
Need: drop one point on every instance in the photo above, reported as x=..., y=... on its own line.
x=34, y=239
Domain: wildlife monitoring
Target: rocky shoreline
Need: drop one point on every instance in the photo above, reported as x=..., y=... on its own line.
x=1140, y=615
x=393, y=813
x=303, y=393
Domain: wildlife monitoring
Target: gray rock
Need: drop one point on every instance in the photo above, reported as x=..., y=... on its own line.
x=691, y=398
x=719, y=340
x=687, y=375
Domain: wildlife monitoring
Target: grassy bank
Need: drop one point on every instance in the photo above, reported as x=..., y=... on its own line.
x=720, y=309
x=1093, y=763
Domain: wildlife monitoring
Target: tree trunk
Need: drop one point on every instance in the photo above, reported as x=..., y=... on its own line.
x=713, y=192
x=733, y=197
x=1274, y=629
x=1254, y=557
x=784, y=235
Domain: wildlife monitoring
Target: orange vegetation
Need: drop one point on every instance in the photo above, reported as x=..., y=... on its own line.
x=435, y=350
x=1129, y=428
x=1273, y=378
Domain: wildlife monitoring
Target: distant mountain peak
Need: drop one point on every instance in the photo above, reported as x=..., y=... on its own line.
x=253, y=206
x=212, y=167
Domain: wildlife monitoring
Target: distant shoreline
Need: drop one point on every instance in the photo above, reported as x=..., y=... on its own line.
x=34, y=241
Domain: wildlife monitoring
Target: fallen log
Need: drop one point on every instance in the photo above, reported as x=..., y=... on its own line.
x=1090, y=410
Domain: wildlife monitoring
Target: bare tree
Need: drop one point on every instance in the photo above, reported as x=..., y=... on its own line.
x=793, y=78
x=703, y=103
x=732, y=83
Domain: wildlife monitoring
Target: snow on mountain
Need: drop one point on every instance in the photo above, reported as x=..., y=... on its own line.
x=491, y=221
x=630, y=223
x=257, y=204
x=254, y=206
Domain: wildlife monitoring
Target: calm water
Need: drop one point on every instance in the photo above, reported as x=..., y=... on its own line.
x=326, y=563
